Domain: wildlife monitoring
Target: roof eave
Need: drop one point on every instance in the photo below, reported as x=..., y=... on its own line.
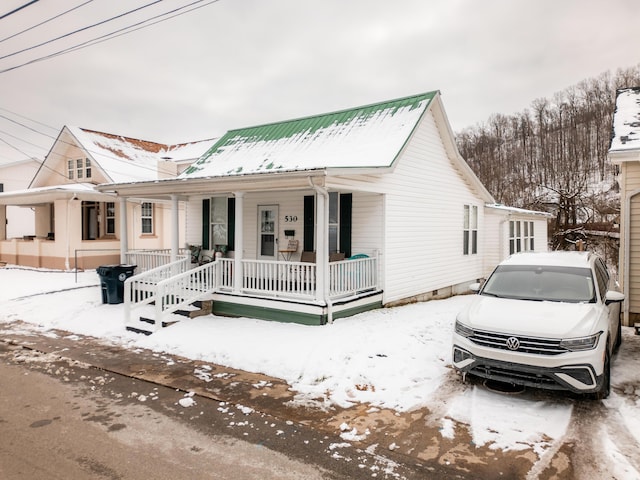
x=232, y=183
x=620, y=156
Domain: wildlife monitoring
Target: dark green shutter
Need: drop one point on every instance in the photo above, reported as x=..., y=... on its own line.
x=231, y=224
x=309, y=221
x=346, y=200
x=206, y=229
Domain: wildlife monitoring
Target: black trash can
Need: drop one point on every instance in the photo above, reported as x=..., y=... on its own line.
x=112, y=279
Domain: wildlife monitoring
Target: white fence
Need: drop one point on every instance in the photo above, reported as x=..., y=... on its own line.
x=141, y=289
x=150, y=259
x=175, y=285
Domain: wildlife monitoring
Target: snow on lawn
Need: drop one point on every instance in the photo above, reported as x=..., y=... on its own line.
x=395, y=358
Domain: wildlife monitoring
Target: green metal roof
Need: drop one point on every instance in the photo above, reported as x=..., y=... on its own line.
x=347, y=138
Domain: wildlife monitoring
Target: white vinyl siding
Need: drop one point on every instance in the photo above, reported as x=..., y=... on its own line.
x=423, y=220
x=634, y=252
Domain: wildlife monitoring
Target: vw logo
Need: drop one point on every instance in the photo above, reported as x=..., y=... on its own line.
x=513, y=343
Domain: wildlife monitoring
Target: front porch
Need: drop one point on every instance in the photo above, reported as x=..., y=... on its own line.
x=271, y=290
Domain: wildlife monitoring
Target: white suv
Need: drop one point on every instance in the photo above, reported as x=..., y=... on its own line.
x=543, y=320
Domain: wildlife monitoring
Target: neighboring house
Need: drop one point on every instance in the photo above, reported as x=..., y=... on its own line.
x=382, y=186
x=625, y=152
x=16, y=176
x=76, y=226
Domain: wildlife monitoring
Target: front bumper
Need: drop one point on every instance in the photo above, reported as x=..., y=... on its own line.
x=575, y=377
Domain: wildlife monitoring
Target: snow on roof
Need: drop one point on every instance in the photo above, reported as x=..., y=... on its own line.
x=524, y=211
x=626, y=120
x=50, y=193
x=555, y=258
x=368, y=136
x=126, y=159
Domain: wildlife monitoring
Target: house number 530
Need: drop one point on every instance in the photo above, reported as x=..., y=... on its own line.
x=290, y=218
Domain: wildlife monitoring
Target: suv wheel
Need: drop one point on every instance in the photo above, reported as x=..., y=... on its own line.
x=605, y=389
x=616, y=346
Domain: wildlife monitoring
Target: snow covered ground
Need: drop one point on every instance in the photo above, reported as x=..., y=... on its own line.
x=395, y=358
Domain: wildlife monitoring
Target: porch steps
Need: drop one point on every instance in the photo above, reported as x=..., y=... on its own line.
x=146, y=322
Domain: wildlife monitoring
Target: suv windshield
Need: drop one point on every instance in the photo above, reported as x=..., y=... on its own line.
x=534, y=282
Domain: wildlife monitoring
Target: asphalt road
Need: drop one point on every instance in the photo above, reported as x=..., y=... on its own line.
x=50, y=429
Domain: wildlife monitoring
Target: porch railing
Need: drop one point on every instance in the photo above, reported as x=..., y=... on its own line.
x=271, y=278
x=350, y=277
x=150, y=259
x=175, y=285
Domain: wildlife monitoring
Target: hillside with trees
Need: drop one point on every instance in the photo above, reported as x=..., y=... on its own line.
x=553, y=157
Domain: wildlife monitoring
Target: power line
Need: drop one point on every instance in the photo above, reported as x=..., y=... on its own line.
x=15, y=10
x=116, y=33
x=46, y=21
x=81, y=29
x=50, y=150
x=30, y=119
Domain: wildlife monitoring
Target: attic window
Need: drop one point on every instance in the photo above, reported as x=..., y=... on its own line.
x=79, y=168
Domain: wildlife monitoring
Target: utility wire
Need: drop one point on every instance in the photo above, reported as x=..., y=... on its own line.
x=116, y=33
x=134, y=27
x=46, y=21
x=30, y=119
x=15, y=10
x=93, y=152
x=81, y=29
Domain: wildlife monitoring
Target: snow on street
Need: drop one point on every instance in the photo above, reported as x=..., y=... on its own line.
x=396, y=358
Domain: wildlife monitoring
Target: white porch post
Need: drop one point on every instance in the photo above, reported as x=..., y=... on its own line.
x=239, y=243
x=124, y=234
x=175, y=228
x=322, y=249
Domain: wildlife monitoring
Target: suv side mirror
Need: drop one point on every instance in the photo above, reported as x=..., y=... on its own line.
x=612, y=296
x=475, y=287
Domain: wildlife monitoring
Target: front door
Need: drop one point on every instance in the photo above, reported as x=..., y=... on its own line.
x=268, y=232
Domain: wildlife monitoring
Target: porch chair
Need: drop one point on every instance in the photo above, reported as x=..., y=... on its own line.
x=309, y=257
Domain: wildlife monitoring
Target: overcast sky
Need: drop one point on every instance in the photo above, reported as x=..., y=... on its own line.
x=238, y=63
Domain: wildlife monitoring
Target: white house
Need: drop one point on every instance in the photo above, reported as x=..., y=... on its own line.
x=333, y=214
x=77, y=226
x=16, y=176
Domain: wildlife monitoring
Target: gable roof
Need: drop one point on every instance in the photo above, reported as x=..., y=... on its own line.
x=369, y=136
x=626, y=121
x=124, y=159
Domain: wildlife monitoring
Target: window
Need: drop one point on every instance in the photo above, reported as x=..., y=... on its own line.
x=334, y=221
x=521, y=236
x=147, y=218
x=470, y=230
x=79, y=168
x=219, y=221
x=110, y=218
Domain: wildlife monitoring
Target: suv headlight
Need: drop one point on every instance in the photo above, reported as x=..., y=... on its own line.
x=463, y=330
x=581, y=343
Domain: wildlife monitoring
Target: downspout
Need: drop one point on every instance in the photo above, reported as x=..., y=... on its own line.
x=322, y=250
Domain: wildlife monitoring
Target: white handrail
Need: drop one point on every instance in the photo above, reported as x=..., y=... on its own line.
x=141, y=289
x=147, y=260
x=184, y=289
